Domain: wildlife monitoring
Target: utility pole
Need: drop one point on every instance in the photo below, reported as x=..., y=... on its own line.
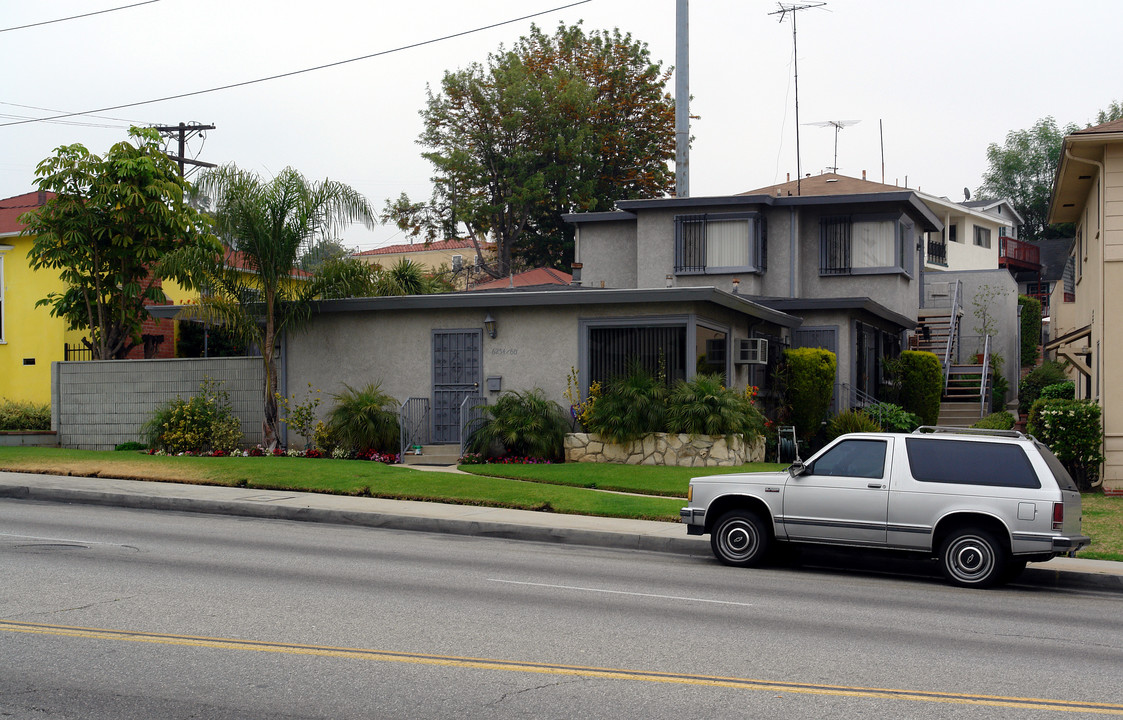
x=682, y=98
x=786, y=8
x=185, y=132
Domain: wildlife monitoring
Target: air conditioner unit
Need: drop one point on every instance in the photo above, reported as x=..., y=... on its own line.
x=751, y=351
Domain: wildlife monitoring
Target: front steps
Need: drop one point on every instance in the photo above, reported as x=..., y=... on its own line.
x=433, y=455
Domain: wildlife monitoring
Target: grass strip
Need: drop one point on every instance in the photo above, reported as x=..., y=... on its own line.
x=646, y=479
x=341, y=477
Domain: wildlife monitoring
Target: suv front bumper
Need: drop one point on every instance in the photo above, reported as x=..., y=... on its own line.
x=694, y=519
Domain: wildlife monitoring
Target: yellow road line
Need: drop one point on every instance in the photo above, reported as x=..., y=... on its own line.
x=551, y=669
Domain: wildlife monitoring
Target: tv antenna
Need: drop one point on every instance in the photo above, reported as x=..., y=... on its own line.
x=794, y=8
x=837, y=125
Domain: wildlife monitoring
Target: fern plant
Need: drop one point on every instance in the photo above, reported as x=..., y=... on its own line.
x=365, y=419
x=526, y=424
x=630, y=406
x=704, y=406
x=851, y=421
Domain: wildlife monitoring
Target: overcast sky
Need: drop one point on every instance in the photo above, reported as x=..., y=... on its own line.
x=936, y=81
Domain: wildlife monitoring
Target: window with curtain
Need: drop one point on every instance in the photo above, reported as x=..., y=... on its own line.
x=982, y=236
x=722, y=243
x=851, y=245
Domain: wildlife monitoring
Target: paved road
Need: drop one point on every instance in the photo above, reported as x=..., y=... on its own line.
x=117, y=613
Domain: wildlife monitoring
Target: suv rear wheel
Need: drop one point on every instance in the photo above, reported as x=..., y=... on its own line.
x=741, y=539
x=973, y=557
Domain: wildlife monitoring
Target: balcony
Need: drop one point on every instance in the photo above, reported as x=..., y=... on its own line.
x=1018, y=254
x=938, y=252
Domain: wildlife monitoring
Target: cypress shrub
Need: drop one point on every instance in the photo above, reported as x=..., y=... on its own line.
x=807, y=377
x=1029, y=388
x=1031, y=329
x=920, y=384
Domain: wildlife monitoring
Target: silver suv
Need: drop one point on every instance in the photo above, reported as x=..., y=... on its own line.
x=984, y=502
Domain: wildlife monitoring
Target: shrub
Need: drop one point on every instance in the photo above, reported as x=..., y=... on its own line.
x=202, y=423
x=300, y=417
x=629, y=407
x=1059, y=391
x=1029, y=388
x=807, y=378
x=19, y=415
x=130, y=446
x=1072, y=430
x=851, y=421
x=524, y=423
x=704, y=406
x=365, y=419
x=893, y=418
x=1001, y=420
x=1031, y=329
x=919, y=384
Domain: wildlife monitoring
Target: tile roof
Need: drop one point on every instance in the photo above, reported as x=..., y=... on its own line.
x=456, y=244
x=530, y=278
x=826, y=184
x=237, y=261
x=11, y=208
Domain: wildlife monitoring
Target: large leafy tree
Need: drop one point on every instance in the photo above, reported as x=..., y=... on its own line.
x=268, y=224
x=559, y=123
x=111, y=222
x=1022, y=169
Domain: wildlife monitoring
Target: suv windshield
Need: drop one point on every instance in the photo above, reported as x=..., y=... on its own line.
x=1064, y=480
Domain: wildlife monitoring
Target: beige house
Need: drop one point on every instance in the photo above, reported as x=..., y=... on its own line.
x=457, y=257
x=1088, y=191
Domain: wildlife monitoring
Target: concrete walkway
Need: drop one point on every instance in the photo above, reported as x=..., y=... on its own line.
x=1070, y=573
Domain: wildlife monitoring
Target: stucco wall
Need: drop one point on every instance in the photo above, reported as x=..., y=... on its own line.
x=607, y=250
x=98, y=405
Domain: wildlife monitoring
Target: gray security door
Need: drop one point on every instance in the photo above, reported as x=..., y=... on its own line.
x=456, y=375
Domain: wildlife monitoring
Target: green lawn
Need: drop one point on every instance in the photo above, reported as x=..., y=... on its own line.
x=653, y=493
x=648, y=480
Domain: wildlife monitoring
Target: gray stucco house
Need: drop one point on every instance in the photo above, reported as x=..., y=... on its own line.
x=847, y=265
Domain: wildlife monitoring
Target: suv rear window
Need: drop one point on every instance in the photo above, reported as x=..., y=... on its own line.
x=970, y=463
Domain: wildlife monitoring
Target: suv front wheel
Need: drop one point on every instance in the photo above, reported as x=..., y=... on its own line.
x=973, y=557
x=741, y=539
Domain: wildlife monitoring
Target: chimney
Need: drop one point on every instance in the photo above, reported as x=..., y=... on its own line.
x=41, y=199
x=576, y=274
x=736, y=285
x=789, y=177
x=863, y=174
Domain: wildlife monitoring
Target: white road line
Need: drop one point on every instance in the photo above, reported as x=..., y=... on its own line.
x=620, y=592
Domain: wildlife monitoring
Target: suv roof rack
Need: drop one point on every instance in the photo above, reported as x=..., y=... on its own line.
x=931, y=429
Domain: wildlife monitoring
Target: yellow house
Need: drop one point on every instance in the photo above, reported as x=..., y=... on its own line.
x=30, y=338
x=456, y=256
x=1088, y=191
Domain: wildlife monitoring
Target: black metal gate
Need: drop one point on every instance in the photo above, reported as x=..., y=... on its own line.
x=456, y=375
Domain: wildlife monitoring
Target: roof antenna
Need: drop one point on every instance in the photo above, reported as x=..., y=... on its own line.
x=837, y=125
x=793, y=8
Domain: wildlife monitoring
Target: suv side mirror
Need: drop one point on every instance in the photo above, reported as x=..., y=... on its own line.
x=797, y=468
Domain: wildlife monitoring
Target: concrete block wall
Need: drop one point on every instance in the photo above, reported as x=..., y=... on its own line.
x=98, y=405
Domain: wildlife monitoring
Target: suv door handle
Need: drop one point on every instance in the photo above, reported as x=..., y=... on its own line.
x=875, y=486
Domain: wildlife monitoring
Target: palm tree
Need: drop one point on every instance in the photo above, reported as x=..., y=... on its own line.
x=255, y=290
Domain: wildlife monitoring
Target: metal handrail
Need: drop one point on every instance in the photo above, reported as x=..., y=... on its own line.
x=413, y=423
x=984, y=380
x=472, y=415
x=953, y=331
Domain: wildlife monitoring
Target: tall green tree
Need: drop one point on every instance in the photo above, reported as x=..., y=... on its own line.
x=559, y=123
x=1022, y=169
x=107, y=229
x=269, y=224
x=1113, y=111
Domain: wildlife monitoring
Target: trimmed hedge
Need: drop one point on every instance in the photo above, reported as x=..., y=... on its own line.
x=1072, y=430
x=1031, y=329
x=1001, y=420
x=920, y=384
x=18, y=415
x=807, y=376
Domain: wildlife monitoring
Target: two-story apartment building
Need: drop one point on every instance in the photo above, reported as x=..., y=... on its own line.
x=1088, y=191
x=846, y=264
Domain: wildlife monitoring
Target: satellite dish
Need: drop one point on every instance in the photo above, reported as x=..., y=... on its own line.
x=966, y=194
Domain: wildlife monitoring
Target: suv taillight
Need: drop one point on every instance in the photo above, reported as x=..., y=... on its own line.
x=1058, y=515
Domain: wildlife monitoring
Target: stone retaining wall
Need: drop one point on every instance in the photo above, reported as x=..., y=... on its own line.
x=665, y=449
x=28, y=438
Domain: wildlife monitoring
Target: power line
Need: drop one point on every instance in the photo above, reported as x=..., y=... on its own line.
x=306, y=70
x=75, y=17
x=99, y=117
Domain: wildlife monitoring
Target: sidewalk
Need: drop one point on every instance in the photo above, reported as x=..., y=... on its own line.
x=1068, y=573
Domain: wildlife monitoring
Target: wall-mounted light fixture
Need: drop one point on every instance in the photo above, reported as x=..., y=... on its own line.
x=489, y=325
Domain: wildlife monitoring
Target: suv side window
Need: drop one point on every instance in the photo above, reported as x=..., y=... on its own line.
x=853, y=458
x=970, y=463
x=1064, y=480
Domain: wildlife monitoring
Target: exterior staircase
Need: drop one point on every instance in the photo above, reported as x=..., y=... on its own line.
x=937, y=332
